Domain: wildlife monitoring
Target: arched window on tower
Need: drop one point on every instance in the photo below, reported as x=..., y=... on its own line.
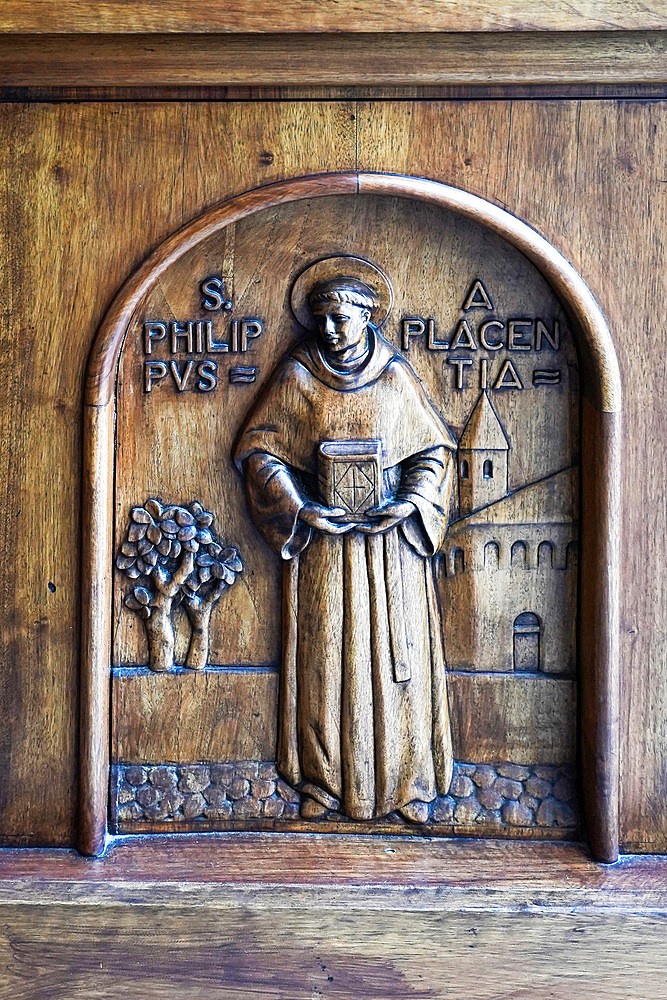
x=518, y=554
x=527, y=642
x=487, y=471
x=458, y=561
x=464, y=469
x=491, y=555
x=545, y=554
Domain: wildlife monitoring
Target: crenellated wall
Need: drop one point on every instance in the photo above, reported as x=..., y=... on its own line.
x=504, y=571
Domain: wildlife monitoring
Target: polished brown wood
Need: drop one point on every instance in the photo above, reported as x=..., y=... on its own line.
x=420, y=59
x=305, y=15
x=346, y=917
x=601, y=385
x=562, y=148
x=51, y=181
x=194, y=716
x=201, y=717
x=511, y=91
x=559, y=871
x=546, y=160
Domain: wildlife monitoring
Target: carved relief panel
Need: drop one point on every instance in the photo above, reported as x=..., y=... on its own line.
x=345, y=545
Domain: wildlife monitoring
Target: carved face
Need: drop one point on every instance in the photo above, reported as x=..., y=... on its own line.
x=341, y=325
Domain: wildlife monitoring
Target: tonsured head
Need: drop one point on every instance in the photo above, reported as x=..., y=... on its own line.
x=342, y=308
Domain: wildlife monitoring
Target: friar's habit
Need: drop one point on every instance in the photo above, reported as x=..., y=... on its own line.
x=363, y=720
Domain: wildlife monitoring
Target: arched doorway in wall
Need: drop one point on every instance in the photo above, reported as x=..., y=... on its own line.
x=527, y=642
x=600, y=405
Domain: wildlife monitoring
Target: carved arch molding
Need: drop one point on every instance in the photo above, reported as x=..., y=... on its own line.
x=510, y=395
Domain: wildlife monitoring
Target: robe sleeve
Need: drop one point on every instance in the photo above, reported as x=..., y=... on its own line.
x=275, y=499
x=426, y=480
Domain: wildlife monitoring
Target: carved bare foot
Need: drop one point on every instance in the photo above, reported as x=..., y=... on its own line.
x=415, y=812
x=312, y=809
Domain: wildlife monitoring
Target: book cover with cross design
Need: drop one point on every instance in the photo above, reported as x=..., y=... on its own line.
x=350, y=475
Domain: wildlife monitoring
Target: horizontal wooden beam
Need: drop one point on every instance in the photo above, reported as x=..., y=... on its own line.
x=526, y=873
x=289, y=917
x=343, y=15
x=420, y=59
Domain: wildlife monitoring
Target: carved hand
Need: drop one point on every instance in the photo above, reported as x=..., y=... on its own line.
x=318, y=517
x=388, y=517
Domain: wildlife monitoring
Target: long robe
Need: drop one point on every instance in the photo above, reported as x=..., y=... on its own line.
x=363, y=720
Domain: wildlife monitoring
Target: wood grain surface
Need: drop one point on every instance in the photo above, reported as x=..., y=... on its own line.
x=412, y=92
x=603, y=165
x=296, y=917
x=247, y=951
x=91, y=189
x=531, y=58
x=167, y=277
x=346, y=15
x=203, y=717
x=208, y=715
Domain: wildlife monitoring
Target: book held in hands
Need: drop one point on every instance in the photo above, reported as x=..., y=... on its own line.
x=350, y=475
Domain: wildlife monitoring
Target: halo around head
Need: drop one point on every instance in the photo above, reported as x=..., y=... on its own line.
x=343, y=266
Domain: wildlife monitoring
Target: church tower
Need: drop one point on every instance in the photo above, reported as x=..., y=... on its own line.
x=483, y=455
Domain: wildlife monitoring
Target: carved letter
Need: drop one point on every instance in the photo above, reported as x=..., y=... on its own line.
x=497, y=344
x=199, y=334
x=212, y=347
x=181, y=331
x=514, y=334
x=213, y=299
x=411, y=328
x=153, y=331
x=432, y=343
x=477, y=297
x=508, y=377
x=154, y=371
x=459, y=362
x=250, y=328
x=208, y=376
x=464, y=337
x=552, y=339
x=181, y=380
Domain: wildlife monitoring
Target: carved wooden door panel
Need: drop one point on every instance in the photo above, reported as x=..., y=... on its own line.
x=346, y=519
x=318, y=513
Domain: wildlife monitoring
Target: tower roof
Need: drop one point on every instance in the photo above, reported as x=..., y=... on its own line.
x=484, y=432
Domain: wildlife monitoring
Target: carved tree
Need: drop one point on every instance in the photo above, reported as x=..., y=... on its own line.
x=159, y=552
x=215, y=570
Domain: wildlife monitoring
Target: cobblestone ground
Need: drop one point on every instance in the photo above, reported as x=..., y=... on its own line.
x=492, y=796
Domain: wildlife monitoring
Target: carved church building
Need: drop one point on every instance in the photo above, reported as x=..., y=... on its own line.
x=509, y=576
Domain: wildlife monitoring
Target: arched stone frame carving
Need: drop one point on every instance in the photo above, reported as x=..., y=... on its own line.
x=600, y=482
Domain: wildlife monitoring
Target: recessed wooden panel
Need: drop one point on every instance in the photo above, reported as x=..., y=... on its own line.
x=484, y=339
x=91, y=189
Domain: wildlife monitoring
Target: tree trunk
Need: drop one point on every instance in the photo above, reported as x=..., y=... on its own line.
x=160, y=632
x=200, y=623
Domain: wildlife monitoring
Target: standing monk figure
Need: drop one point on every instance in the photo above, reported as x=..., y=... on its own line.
x=363, y=723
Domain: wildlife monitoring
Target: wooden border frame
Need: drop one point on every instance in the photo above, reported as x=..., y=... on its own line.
x=336, y=59
x=600, y=503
